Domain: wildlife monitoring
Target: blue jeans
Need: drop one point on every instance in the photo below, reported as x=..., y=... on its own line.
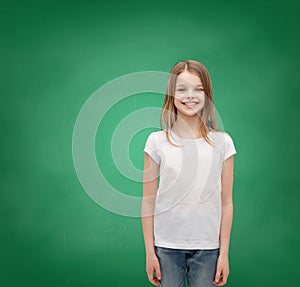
x=198, y=267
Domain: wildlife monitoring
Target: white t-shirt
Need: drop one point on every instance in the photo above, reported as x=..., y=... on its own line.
x=188, y=205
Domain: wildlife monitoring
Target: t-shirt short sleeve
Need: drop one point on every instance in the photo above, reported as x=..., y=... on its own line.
x=229, y=149
x=150, y=147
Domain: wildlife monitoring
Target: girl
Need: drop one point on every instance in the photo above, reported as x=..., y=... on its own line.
x=187, y=217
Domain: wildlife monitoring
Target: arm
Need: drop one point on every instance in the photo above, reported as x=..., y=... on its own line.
x=150, y=184
x=227, y=205
x=226, y=221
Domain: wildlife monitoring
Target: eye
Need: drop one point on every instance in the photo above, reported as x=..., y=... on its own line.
x=180, y=89
x=199, y=89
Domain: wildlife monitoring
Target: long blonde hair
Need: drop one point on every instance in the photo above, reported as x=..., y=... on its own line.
x=169, y=110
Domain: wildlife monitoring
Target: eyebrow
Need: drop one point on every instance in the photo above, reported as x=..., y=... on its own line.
x=184, y=85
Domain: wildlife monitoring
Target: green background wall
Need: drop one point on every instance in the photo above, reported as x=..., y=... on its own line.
x=54, y=55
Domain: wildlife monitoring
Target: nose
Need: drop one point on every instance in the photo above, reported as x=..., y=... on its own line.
x=190, y=95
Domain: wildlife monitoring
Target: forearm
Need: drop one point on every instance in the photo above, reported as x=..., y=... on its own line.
x=225, y=228
x=150, y=187
x=148, y=223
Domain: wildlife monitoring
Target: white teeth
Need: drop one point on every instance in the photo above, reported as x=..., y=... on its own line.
x=190, y=103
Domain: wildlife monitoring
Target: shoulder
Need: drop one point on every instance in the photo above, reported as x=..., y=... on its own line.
x=221, y=134
x=158, y=134
x=227, y=136
x=159, y=138
x=155, y=137
x=155, y=134
x=222, y=138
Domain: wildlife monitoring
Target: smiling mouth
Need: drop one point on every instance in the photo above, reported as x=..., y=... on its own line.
x=190, y=104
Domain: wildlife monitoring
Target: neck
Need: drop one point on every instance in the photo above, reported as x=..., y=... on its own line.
x=187, y=126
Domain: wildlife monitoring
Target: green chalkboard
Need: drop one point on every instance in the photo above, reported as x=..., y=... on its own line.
x=56, y=54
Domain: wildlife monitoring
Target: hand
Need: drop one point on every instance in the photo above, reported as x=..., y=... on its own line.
x=222, y=271
x=152, y=265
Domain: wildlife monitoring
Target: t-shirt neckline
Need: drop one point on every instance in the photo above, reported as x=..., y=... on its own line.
x=185, y=139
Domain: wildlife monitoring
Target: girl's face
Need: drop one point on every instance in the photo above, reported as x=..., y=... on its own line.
x=189, y=94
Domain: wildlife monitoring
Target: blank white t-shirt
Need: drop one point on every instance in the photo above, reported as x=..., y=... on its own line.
x=188, y=205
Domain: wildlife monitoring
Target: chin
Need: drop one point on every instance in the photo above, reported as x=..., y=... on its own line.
x=188, y=114
x=189, y=111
